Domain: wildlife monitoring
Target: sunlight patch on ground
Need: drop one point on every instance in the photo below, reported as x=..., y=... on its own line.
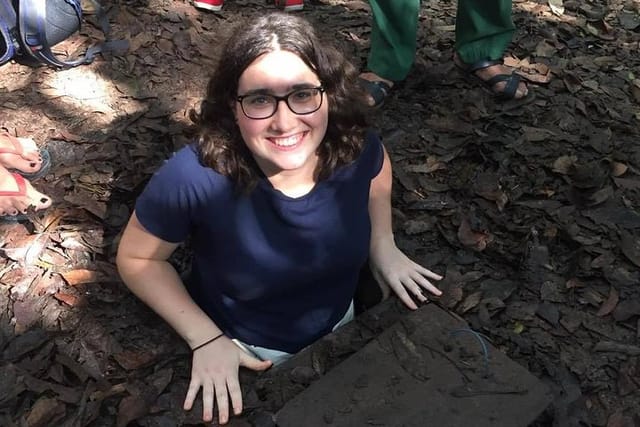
x=82, y=88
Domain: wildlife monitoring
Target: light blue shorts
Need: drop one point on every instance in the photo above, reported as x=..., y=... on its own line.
x=277, y=356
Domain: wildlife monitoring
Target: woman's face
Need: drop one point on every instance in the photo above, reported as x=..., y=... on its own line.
x=285, y=142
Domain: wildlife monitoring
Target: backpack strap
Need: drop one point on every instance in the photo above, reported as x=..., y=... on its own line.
x=32, y=16
x=8, y=22
x=114, y=46
x=32, y=23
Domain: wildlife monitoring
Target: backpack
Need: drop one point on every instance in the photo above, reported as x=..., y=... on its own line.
x=29, y=28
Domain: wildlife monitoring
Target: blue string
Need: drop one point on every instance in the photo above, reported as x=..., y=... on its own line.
x=485, y=349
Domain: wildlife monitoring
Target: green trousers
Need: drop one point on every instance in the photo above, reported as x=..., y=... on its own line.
x=484, y=29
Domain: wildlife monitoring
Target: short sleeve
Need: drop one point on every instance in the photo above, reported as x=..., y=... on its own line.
x=373, y=153
x=168, y=203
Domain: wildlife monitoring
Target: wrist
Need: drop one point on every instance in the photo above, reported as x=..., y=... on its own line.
x=207, y=342
x=381, y=241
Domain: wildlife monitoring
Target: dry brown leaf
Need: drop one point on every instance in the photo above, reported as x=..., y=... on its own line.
x=535, y=72
x=572, y=82
x=470, y=302
x=165, y=45
x=630, y=246
x=68, y=136
x=471, y=239
x=563, y=164
x=487, y=186
x=131, y=360
x=430, y=166
x=610, y=304
x=450, y=125
x=603, y=260
x=48, y=283
x=357, y=5
x=635, y=91
x=27, y=250
x=618, y=169
x=84, y=201
x=27, y=313
x=536, y=134
x=600, y=29
x=81, y=276
x=452, y=296
x=70, y=300
x=142, y=39
x=539, y=78
x=545, y=49
x=626, y=309
x=45, y=412
x=574, y=283
x=618, y=419
x=627, y=183
x=599, y=196
x=21, y=279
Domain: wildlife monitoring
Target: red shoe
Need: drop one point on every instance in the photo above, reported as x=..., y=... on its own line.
x=213, y=5
x=290, y=5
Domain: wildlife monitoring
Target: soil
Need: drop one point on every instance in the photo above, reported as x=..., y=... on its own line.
x=529, y=209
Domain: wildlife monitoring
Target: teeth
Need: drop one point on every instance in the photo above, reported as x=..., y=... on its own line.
x=286, y=142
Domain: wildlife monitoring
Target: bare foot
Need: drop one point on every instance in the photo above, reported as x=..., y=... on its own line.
x=488, y=73
x=19, y=153
x=373, y=77
x=17, y=195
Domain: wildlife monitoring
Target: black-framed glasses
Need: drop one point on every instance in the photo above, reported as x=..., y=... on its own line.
x=300, y=101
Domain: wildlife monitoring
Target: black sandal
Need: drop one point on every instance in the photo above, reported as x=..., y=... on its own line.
x=376, y=89
x=512, y=80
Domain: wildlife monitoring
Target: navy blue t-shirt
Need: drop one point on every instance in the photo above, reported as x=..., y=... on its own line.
x=271, y=270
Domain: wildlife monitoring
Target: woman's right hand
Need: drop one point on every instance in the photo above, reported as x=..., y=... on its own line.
x=215, y=370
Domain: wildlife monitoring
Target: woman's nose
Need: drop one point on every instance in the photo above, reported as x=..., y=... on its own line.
x=284, y=118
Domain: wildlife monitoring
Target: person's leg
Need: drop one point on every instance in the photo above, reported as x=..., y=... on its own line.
x=393, y=38
x=484, y=29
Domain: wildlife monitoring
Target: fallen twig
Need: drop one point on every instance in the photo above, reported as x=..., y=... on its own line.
x=631, y=350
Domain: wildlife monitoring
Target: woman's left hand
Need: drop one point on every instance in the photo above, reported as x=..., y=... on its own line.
x=391, y=267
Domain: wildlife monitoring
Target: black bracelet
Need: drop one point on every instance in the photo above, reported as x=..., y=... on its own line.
x=207, y=342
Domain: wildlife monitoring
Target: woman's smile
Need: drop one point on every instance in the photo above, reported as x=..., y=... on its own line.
x=287, y=143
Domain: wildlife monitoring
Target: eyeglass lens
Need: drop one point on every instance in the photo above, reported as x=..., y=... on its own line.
x=300, y=101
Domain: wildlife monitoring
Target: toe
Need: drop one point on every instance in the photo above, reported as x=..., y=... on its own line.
x=26, y=158
x=30, y=151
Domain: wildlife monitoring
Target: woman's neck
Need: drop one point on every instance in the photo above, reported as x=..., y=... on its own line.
x=294, y=183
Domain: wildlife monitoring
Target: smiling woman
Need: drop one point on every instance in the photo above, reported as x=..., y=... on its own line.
x=285, y=196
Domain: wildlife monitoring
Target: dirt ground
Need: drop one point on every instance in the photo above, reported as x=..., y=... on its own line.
x=529, y=209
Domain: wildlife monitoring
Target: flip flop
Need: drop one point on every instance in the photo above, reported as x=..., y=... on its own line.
x=512, y=81
x=44, y=169
x=21, y=191
x=17, y=150
x=376, y=89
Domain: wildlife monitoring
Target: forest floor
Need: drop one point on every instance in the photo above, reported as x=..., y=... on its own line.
x=529, y=209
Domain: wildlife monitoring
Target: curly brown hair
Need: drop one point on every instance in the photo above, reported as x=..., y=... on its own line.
x=220, y=144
